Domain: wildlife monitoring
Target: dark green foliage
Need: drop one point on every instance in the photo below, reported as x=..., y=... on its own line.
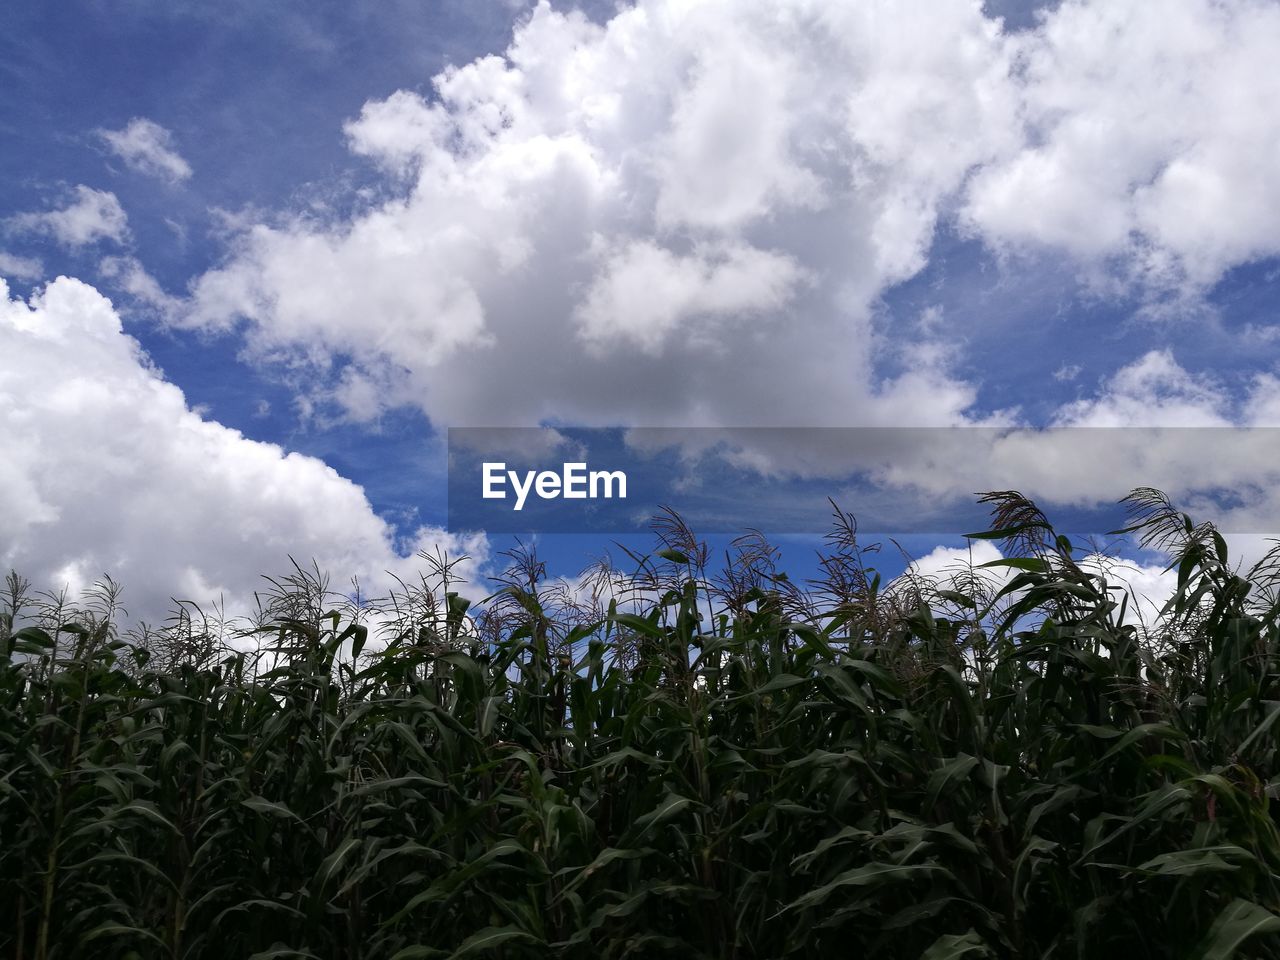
x=723, y=767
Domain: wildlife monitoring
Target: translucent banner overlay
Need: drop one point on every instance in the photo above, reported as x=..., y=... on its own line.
x=892, y=479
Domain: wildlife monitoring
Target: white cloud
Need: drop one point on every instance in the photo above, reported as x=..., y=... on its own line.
x=1261, y=406
x=1147, y=132
x=147, y=147
x=950, y=565
x=20, y=268
x=117, y=474
x=731, y=116
x=1153, y=391
x=689, y=213
x=1067, y=372
x=645, y=293
x=684, y=215
x=396, y=131
x=1147, y=586
x=92, y=216
x=1152, y=423
x=128, y=274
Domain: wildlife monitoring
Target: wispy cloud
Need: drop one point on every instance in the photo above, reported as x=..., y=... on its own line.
x=147, y=147
x=20, y=268
x=92, y=215
x=128, y=274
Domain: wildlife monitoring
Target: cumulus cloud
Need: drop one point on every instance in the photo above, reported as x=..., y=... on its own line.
x=92, y=215
x=1151, y=423
x=684, y=215
x=1146, y=132
x=1211, y=444
x=148, y=148
x=688, y=214
x=949, y=566
x=644, y=294
x=118, y=475
x=1153, y=391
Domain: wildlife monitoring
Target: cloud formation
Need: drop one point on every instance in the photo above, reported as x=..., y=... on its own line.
x=20, y=268
x=147, y=148
x=688, y=214
x=118, y=475
x=1147, y=133
x=92, y=216
x=1153, y=391
x=684, y=215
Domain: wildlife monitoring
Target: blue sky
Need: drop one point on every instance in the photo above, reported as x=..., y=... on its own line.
x=398, y=217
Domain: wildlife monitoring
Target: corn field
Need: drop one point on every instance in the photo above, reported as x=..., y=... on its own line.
x=683, y=760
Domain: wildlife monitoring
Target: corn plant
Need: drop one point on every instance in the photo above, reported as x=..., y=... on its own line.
x=679, y=762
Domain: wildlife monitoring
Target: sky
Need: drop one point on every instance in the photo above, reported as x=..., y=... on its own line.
x=259, y=258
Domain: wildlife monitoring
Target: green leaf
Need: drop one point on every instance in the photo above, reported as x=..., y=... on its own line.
x=950, y=773
x=602, y=860
x=670, y=806
x=332, y=862
x=491, y=938
x=1141, y=732
x=638, y=624
x=1029, y=564
x=147, y=810
x=270, y=808
x=121, y=930
x=489, y=708
x=871, y=875
x=1238, y=922
x=278, y=951
x=952, y=945
x=1273, y=714
x=1184, y=863
x=781, y=682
